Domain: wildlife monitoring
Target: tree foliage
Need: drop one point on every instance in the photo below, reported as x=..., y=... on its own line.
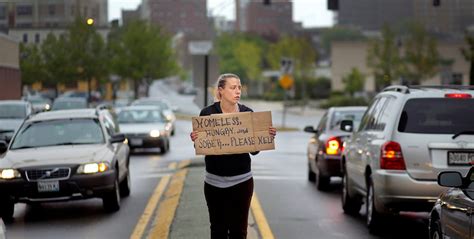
x=142, y=51
x=31, y=64
x=468, y=54
x=421, y=56
x=384, y=59
x=55, y=54
x=354, y=81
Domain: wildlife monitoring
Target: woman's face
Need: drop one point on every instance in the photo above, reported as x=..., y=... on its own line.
x=231, y=91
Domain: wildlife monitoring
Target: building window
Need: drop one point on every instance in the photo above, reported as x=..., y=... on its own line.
x=37, y=38
x=24, y=10
x=25, y=38
x=3, y=12
x=52, y=9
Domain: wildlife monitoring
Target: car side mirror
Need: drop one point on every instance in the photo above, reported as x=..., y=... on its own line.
x=310, y=129
x=3, y=147
x=347, y=125
x=450, y=179
x=117, y=138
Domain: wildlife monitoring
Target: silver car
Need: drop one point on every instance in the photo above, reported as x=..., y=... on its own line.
x=12, y=114
x=407, y=136
x=165, y=106
x=145, y=127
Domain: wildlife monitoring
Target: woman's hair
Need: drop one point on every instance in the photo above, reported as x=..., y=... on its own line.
x=221, y=83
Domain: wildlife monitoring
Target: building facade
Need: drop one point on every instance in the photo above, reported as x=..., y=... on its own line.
x=10, y=77
x=186, y=16
x=451, y=17
x=270, y=21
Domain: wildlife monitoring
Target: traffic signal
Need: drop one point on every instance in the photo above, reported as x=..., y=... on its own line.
x=333, y=5
x=436, y=3
x=267, y=2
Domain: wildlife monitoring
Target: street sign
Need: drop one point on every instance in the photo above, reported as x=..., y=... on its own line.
x=200, y=47
x=286, y=81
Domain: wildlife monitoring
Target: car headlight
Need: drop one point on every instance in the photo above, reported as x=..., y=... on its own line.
x=155, y=133
x=47, y=107
x=9, y=173
x=169, y=117
x=93, y=168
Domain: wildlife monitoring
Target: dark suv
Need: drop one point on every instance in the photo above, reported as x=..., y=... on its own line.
x=65, y=155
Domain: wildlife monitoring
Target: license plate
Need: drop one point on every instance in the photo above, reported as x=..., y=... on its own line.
x=49, y=186
x=460, y=158
x=136, y=142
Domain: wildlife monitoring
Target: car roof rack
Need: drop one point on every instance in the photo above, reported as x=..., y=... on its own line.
x=453, y=87
x=397, y=88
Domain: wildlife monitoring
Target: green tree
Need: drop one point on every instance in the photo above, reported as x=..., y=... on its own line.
x=31, y=64
x=468, y=53
x=421, y=56
x=57, y=63
x=87, y=52
x=300, y=51
x=142, y=52
x=384, y=58
x=248, y=56
x=354, y=81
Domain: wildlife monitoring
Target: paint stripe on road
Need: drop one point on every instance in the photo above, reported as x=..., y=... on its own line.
x=151, y=206
x=167, y=209
x=260, y=219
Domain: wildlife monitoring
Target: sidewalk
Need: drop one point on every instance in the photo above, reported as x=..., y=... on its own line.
x=191, y=219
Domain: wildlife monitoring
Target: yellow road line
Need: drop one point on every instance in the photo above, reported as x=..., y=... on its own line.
x=150, y=207
x=260, y=219
x=166, y=211
x=184, y=164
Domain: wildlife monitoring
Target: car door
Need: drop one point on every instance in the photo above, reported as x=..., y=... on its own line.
x=456, y=214
x=314, y=142
x=356, y=147
x=119, y=149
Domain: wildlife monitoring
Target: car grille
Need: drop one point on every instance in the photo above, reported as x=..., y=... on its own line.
x=48, y=173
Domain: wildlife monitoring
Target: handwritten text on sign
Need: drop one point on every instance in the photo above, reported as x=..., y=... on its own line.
x=233, y=133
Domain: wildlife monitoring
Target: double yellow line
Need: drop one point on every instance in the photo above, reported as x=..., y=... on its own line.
x=165, y=213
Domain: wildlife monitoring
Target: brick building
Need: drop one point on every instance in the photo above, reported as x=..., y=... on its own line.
x=10, y=78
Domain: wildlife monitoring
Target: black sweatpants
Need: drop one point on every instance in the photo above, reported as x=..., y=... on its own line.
x=229, y=209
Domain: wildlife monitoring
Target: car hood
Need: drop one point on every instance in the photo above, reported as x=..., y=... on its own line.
x=54, y=155
x=141, y=128
x=10, y=124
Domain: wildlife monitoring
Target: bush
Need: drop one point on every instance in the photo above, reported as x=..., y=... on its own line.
x=274, y=95
x=340, y=100
x=319, y=88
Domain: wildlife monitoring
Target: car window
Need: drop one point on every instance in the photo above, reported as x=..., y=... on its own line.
x=385, y=114
x=372, y=123
x=322, y=123
x=140, y=116
x=368, y=115
x=57, y=132
x=339, y=116
x=437, y=116
x=62, y=105
x=12, y=111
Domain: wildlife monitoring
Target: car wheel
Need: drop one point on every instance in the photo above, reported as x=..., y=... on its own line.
x=125, y=185
x=165, y=147
x=311, y=174
x=111, y=200
x=322, y=183
x=350, y=205
x=7, y=208
x=374, y=218
x=435, y=230
x=172, y=132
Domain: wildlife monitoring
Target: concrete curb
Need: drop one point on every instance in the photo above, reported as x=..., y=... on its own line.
x=2, y=229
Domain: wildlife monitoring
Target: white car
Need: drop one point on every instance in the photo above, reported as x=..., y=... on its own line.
x=407, y=136
x=145, y=127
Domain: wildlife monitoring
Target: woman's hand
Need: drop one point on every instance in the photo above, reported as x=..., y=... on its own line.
x=194, y=135
x=272, y=131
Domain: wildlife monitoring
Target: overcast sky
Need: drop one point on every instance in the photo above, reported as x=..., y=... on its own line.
x=313, y=13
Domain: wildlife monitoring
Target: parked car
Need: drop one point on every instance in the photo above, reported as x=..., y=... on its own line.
x=325, y=146
x=452, y=216
x=65, y=155
x=166, y=107
x=407, y=136
x=67, y=103
x=145, y=127
x=12, y=114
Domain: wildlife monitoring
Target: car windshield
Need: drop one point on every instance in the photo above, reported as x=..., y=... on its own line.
x=12, y=111
x=64, y=105
x=59, y=132
x=38, y=101
x=437, y=116
x=140, y=116
x=339, y=116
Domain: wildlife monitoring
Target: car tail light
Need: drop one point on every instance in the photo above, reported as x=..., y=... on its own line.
x=333, y=146
x=458, y=95
x=391, y=156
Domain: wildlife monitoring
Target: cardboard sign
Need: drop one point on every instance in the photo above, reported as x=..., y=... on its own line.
x=233, y=133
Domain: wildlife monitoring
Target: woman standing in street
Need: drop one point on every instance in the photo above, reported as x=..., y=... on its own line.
x=228, y=184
